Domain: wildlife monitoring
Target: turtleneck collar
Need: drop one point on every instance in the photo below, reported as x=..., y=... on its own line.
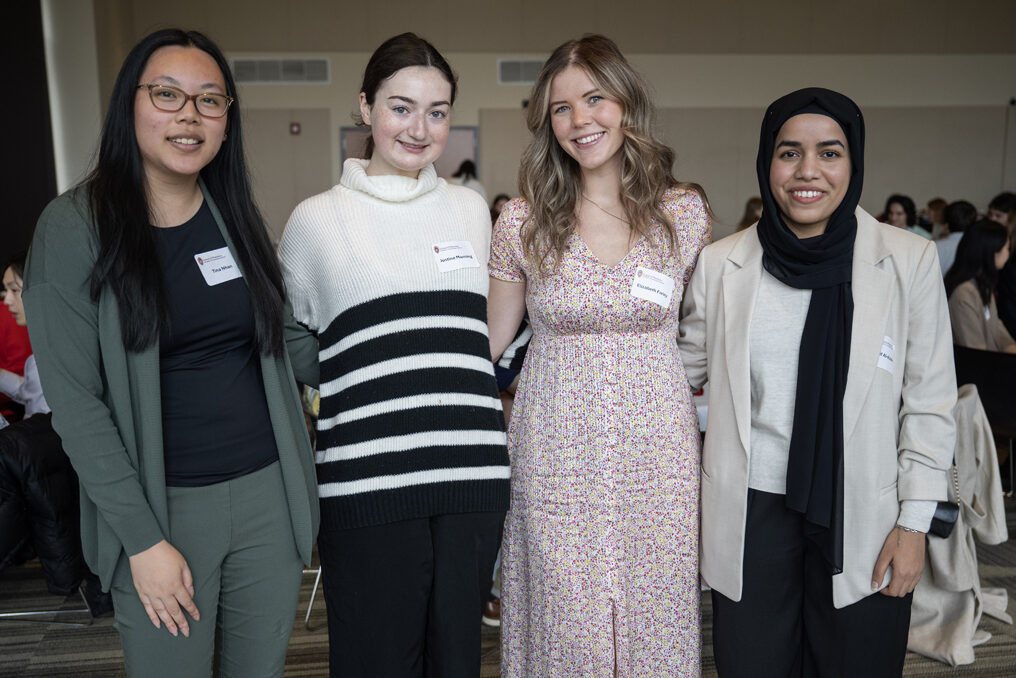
x=388, y=187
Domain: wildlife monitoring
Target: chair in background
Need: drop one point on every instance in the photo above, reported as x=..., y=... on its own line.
x=39, y=514
x=994, y=374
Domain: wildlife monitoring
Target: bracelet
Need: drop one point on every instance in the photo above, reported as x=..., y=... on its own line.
x=912, y=531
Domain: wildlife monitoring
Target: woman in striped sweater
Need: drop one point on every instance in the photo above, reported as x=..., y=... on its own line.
x=387, y=269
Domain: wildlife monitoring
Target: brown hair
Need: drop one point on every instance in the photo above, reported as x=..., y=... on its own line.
x=394, y=54
x=550, y=180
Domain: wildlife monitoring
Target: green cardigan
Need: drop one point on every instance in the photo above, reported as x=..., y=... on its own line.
x=106, y=401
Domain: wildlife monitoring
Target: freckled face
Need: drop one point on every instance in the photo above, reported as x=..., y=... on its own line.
x=810, y=172
x=586, y=124
x=409, y=120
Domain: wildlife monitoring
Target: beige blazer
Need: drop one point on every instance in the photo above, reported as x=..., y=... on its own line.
x=975, y=325
x=897, y=409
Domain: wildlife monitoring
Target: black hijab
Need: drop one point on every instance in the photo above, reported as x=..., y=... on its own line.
x=823, y=265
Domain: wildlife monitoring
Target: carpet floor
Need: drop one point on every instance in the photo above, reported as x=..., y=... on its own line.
x=39, y=650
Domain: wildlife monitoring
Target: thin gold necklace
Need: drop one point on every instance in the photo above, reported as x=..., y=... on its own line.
x=609, y=214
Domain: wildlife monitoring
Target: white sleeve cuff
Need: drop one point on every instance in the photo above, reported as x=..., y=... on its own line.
x=916, y=514
x=10, y=383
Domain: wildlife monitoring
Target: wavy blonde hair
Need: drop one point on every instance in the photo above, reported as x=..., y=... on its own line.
x=551, y=181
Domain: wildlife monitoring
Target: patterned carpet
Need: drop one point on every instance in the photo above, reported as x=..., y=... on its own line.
x=51, y=651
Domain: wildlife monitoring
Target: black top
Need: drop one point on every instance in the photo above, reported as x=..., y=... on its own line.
x=215, y=420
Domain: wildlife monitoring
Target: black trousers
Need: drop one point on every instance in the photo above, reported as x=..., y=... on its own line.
x=404, y=599
x=785, y=625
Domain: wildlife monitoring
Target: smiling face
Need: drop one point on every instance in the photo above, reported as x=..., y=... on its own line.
x=587, y=125
x=408, y=121
x=810, y=172
x=176, y=146
x=12, y=296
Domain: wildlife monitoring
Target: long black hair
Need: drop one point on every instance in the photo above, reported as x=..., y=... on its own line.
x=391, y=56
x=120, y=212
x=975, y=258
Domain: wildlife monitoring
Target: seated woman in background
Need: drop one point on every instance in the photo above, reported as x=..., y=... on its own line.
x=1002, y=209
x=970, y=285
x=25, y=390
x=465, y=175
x=901, y=213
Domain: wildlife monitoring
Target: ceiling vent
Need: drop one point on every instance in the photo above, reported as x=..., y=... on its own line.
x=281, y=71
x=518, y=71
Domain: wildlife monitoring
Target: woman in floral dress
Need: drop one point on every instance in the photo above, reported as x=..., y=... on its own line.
x=601, y=542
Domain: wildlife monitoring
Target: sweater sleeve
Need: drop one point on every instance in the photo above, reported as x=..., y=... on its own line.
x=64, y=329
x=296, y=259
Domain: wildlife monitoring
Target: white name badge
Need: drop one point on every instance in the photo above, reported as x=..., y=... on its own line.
x=653, y=286
x=453, y=255
x=887, y=355
x=217, y=266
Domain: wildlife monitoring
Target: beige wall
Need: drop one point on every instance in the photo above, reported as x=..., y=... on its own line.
x=933, y=81
x=710, y=109
x=643, y=26
x=287, y=168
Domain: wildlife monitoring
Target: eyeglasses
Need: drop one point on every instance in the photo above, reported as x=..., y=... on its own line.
x=172, y=99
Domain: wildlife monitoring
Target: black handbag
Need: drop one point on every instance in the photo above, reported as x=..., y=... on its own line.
x=947, y=512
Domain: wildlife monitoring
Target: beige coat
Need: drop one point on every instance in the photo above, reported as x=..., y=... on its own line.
x=897, y=409
x=949, y=601
x=975, y=325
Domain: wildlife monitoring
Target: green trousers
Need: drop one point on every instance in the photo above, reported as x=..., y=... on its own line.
x=238, y=542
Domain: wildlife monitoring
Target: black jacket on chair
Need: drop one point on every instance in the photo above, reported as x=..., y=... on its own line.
x=39, y=504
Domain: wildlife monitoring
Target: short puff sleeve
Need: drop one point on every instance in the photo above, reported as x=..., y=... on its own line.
x=507, y=261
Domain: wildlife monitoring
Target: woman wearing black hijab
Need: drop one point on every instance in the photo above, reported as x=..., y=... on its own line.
x=825, y=338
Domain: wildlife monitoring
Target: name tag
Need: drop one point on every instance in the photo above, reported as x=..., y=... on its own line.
x=653, y=286
x=454, y=254
x=887, y=355
x=217, y=266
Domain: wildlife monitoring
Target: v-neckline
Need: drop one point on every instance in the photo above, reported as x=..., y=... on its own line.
x=599, y=261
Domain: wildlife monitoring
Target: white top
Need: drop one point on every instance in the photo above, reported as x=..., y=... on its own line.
x=390, y=273
x=775, y=340
x=473, y=184
x=26, y=390
x=947, y=250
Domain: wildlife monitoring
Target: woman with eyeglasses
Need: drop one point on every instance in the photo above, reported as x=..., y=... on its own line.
x=161, y=334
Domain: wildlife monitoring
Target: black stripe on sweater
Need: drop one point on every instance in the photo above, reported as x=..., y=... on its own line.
x=401, y=306
x=413, y=382
x=416, y=420
x=402, y=345
x=411, y=461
